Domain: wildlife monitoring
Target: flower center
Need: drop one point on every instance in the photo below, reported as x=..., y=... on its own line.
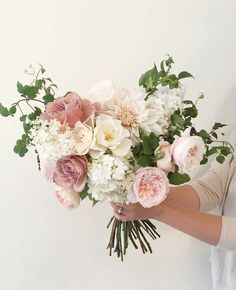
x=109, y=136
x=150, y=186
x=128, y=117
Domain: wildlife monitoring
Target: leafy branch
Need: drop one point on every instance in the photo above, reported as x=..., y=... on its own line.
x=41, y=90
x=152, y=78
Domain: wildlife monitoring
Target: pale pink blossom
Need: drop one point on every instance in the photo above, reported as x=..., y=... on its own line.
x=150, y=187
x=68, y=197
x=164, y=161
x=71, y=171
x=69, y=109
x=187, y=152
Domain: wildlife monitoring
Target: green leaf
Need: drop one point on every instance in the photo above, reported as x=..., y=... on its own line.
x=83, y=194
x=220, y=159
x=190, y=111
x=48, y=98
x=23, y=118
x=20, y=88
x=204, y=134
x=204, y=160
x=214, y=134
x=149, y=79
x=26, y=127
x=150, y=143
x=21, y=147
x=31, y=92
x=138, y=149
x=32, y=116
x=211, y=151
x=12, y=110
x=177, y=119
x=188, y=102
x=39, y=83
x=169, y=62
x=218, y=125
x=4, y=111
x=176, y=178
x=37, y=111
x=225, y=151
x=144, y=160
x=185, y=74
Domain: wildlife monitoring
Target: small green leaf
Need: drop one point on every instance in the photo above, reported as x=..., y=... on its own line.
x=204, y=134
x=169, y=62
x=39, y=83
x=20, y=88
x=185, y=74
x=4, y=111
x=218, y=125
x=204, y=160
x=144, y=160
x=12, y=110
x=37, y=111
x=176, y=178
x=149, y=79
x=20, y=147
x=211, y=151
x=190, y=111
x=48, y=98
x=23, y=118
x=83, y=194
x=220, y=159
x=177, y=120
x=31, y=92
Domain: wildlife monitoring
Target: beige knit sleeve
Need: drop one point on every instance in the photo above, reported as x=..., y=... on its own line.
x=227, y=236
x=212, y=186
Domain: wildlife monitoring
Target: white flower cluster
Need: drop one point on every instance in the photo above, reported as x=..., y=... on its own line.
x=52, y=141
x=110, y=178
x=164, y=103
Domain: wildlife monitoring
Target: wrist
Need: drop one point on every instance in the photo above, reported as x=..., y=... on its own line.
x=158, y=211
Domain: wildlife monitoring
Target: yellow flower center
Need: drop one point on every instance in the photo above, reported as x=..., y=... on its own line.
x=109, y=136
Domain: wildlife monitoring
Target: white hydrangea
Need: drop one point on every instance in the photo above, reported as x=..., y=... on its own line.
x=163, y=104
x=53, y=141
x=109, y=178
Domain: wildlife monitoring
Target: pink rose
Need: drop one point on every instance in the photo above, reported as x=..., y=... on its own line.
x=68, y=197
x=164, y=161
x=187, y=152
x=71, y=171
x=69, y=109
x=150, y=187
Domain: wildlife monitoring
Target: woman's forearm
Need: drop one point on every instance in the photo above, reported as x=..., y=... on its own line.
x=205, y=227
x=185, y=196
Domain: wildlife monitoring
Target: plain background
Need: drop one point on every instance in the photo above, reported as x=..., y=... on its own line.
x=80, y=42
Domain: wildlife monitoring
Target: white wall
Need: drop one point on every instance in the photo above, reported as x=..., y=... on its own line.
x=81, y=42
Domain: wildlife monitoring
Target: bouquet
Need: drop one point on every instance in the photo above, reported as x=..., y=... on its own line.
x=115, y=144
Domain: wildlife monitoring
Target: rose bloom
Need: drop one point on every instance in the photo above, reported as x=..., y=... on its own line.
x=68, y=197
x=83, y=134
x=165, y=163
x=150, y=187
x=187, y=152
x=110, y=134
x=69, y=109
x=71, y=171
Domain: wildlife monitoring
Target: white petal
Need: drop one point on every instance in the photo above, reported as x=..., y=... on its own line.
x=101, y=92
x=123, y=148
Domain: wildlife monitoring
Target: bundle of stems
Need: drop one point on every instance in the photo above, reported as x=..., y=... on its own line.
x=132, y=231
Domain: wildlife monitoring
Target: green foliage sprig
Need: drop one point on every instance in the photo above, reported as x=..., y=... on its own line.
x=152, y=78
x=40, y=91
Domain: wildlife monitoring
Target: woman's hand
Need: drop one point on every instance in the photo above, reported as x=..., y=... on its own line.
x=131, y=212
